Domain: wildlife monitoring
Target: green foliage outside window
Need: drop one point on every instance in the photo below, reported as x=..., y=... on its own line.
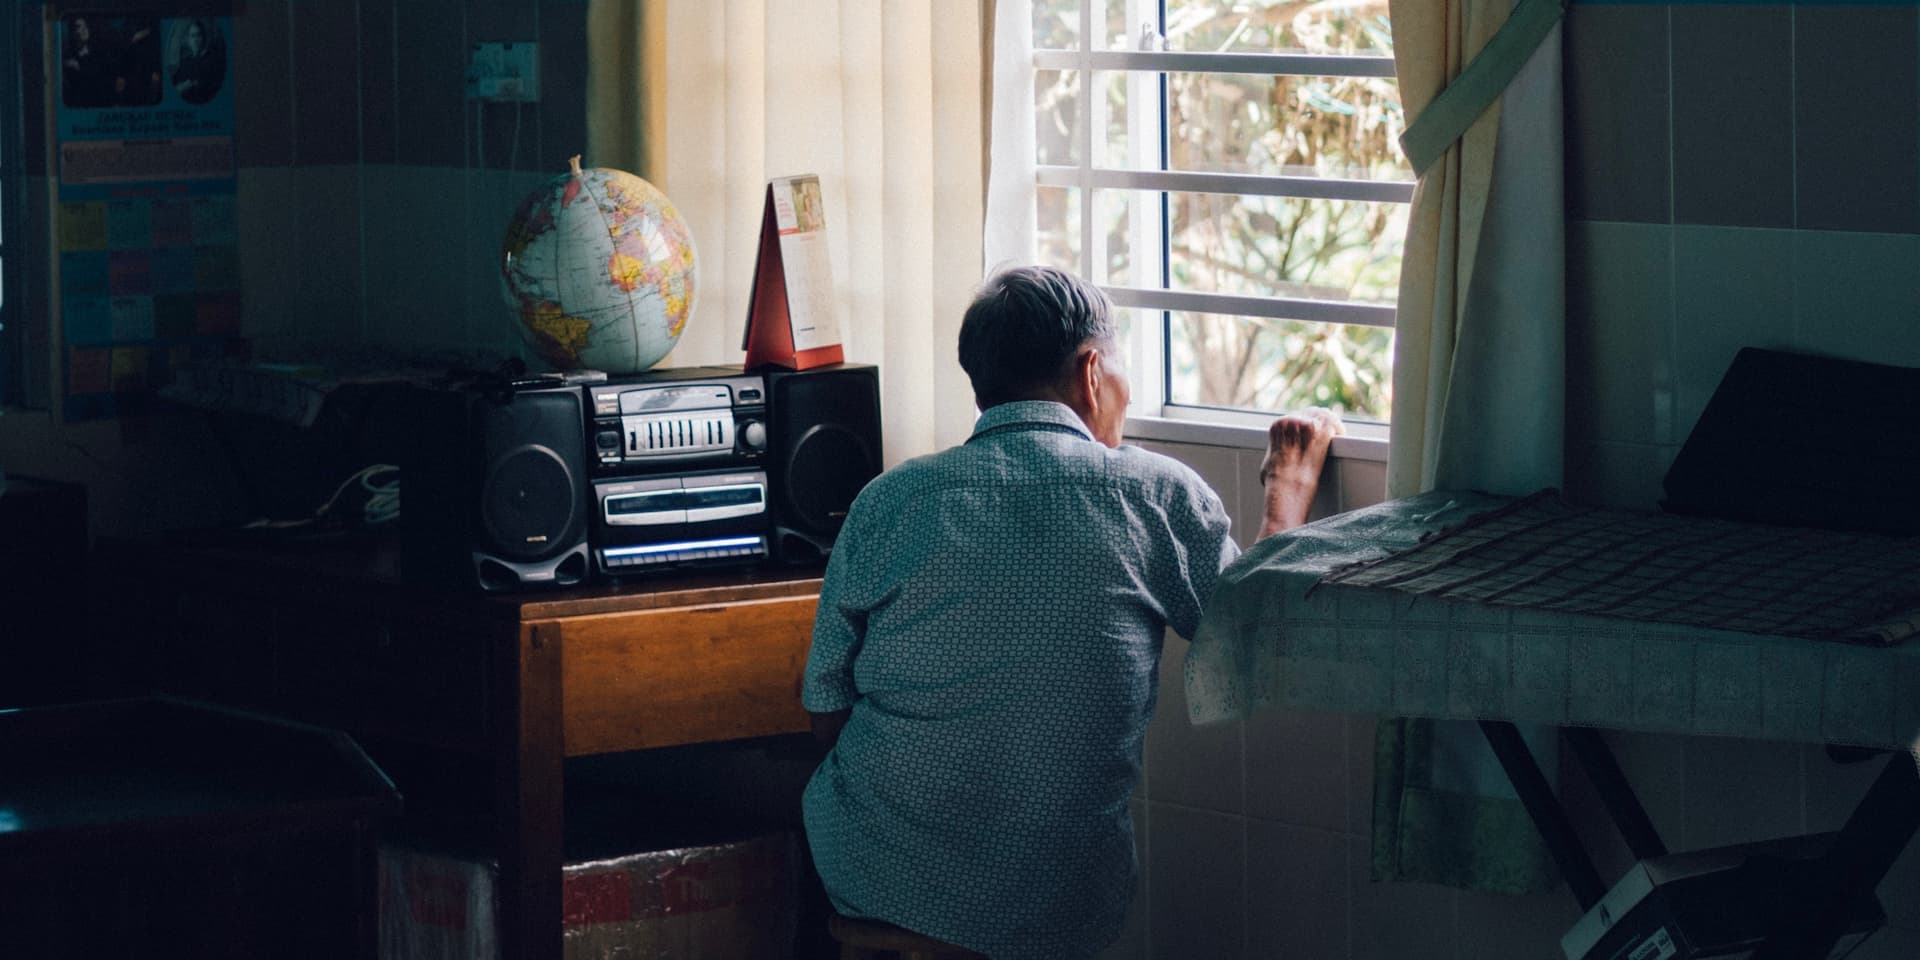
x=1322, y=249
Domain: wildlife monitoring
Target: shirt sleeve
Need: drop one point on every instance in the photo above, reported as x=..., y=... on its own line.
x=838, y=630
x=1202, y=545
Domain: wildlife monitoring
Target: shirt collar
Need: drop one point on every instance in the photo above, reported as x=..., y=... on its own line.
x=1020, y=413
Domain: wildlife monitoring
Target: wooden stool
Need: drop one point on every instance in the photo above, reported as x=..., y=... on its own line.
x=871, y=939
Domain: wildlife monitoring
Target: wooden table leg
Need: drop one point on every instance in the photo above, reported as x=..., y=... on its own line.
x=528, y=797
x=1576, y=865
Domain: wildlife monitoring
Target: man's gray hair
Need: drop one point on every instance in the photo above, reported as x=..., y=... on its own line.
x=1023, y=328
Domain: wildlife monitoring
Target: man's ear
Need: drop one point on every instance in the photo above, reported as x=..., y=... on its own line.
x=1086, y=378
x=1076, y=389
x=1096, y=371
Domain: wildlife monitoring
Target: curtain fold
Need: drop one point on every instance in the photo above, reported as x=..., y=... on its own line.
x=1479, y=404
x=623, y=90
x=881, y=99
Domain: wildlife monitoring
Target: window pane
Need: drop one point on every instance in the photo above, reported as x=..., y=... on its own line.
x=1266, y=364
x=1286, y=246
x=1057, y=214
x=1276, y=26
x=1123, y=215
x=1124, y=32
x=1347, y=127
x=1056, y=111
x=1056, y=24
x=1126, y=321
x=1341, y=127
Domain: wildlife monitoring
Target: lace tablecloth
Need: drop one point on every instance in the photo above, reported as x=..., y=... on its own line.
x=1276, y=635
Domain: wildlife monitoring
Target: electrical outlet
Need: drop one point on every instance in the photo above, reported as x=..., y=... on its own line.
x=504, y=71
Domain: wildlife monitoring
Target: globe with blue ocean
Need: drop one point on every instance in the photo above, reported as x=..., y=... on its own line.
x=599, y=269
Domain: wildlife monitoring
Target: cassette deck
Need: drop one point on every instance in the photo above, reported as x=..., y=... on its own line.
x=679, y=468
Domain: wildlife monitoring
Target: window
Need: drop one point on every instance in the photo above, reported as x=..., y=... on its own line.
x=1230, y=172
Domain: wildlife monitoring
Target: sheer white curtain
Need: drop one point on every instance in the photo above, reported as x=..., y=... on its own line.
x=881, y=98
x=1011, y=225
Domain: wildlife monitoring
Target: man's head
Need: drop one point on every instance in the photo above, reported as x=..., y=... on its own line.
x=1038, y=333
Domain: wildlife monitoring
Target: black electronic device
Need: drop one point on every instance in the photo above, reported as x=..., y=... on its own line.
x=824, y=431
x=678, y=419
x=1806, y=441
x=650, y=523
x=678, y=459
x=493, y=488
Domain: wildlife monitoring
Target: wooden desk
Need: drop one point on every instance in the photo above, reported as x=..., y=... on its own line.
x=333, y=637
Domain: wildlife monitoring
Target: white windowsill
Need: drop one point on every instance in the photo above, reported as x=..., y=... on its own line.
x=1219, y=428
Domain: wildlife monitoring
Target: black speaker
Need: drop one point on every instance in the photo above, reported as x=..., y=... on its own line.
x=493, y=489
x=823, y=447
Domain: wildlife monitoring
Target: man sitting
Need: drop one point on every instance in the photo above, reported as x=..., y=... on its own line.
x=987, y=646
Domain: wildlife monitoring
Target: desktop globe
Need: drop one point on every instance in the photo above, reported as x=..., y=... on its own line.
x=599, y=270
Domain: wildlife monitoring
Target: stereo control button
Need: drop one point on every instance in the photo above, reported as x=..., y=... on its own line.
x=753, y=435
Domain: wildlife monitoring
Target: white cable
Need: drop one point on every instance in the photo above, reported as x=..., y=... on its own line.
x=383, y=499
x=382, y=504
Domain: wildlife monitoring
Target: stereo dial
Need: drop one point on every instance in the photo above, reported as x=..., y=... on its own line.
x=753, y=435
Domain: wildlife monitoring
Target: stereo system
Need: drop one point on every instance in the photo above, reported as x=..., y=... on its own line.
x=546, y=482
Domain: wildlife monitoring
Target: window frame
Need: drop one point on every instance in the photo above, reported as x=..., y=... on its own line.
x=1153, y=415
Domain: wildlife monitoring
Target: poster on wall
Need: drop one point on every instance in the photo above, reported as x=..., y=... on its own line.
x=149, y=275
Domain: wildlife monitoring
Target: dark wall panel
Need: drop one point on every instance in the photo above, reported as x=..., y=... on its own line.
x=326, y=93
x=563, y=83
x=262, y=84
x=377, y=108
x=1733, y=115
x=1857, y=106
x=1617, y=113
x=430, y=42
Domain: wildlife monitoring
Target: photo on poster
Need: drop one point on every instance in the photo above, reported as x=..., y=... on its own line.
x=109, y=61
x=196, y=58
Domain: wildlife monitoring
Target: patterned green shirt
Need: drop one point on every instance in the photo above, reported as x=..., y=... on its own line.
x=993, y=615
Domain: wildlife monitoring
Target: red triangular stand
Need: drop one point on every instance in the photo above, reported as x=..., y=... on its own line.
x=769, y=336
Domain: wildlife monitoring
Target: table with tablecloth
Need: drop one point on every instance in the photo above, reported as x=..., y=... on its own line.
x=1532, y=611
x=1276, y=635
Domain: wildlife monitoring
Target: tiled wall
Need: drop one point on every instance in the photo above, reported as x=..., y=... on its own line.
x=374, y=195
x=372, y=198
x=1737, y=175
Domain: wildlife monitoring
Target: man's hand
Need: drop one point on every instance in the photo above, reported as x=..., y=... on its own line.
x=1296, y=453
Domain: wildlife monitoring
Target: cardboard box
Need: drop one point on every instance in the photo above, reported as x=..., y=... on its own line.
x=1715, y=903
x=713, y=901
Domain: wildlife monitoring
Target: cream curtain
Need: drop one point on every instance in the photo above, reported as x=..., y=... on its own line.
x=1478, y=372
x=881, y=99
x=1479, y=401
